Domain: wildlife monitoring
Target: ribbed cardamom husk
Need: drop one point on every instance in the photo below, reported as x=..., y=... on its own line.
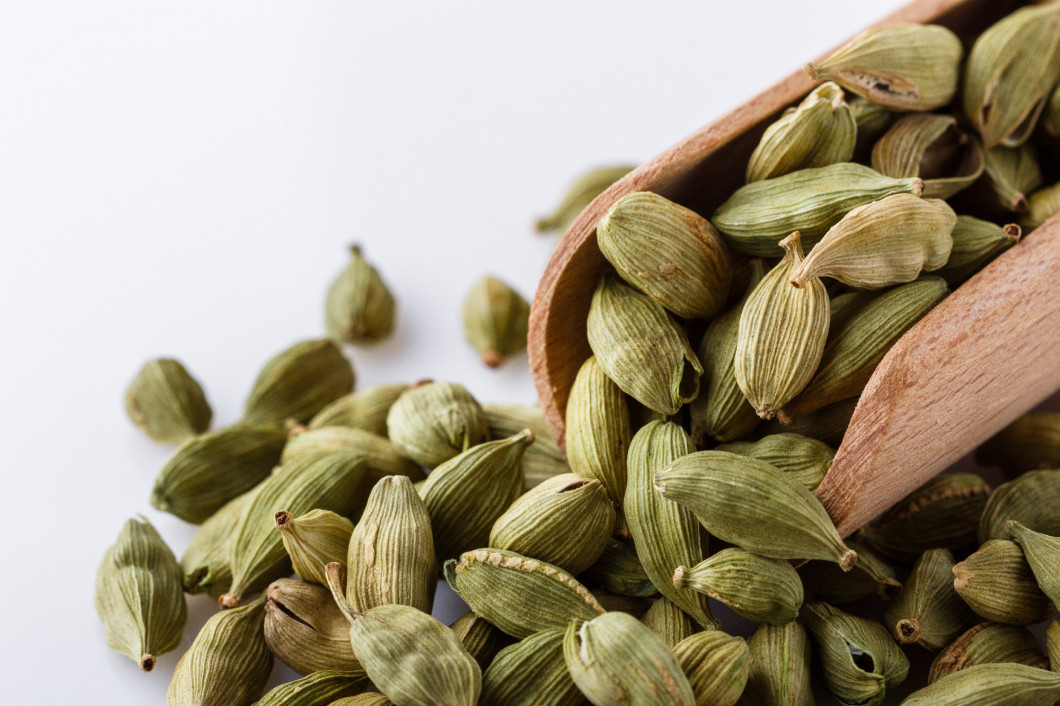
x=991, y=685
x=316, y=689
x=616, y=660
x=780, y=667
x=1042, y=205
x=323, y=482
x=580, y=194
x=313, y=540
x=1011, y=71
x=466, y=494
x=845, y=306
x=819, y=132
x=870, y=577
x=854, y=350
x=827, y=424
x=929, y=612
x=857, y=660
x=665, y=534
x=933, y=148
x=139, y=596
x=1042, y=553
x=365, y=409
x=884, y=243
x=873, y=120
x=167, y=402
x=717, y=666
x=1033, y=500
x=668, y=252
x=975, y=243
x=1009, y=175
x=637, y=607
x=206, y=562
x=759, y=215
x=756, y=587
x=619, y=570
x=228, y=663
x=998, y=584
x=531, y=672
x=298, y=383
x=757, y=510
x=1052, y=643
x=543, y=459
x=988, y=643
x=496, y=318
x=943, y=513
x=518, y=594
x=431, y=422
x=480, y=638
x=803, y=460
x=597, y=428
x=359, y=306
x=1030, y=443
x=566, y=521
x=668, y=621
x=721, y=411
x=390, y=555
x=382, y=457
x=305, y=629
x=904, y=67
x=641, y=347
x=207, y=471
x=782, y=335
x=365, y=699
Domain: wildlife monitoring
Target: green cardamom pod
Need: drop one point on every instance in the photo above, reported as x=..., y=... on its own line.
x=998, y=584
x=870, y=577
x=668, y=621
x=433, y=421
x=166, y=402
x=531, y=672
x=1042, y=553
x=496, y=318
x=779, y=673
x=542, y=460
x=365, y=699
x=139, y=596
x=933, y=148
x=827, y=424
x=975, y=243
x=365, y=409
x=382, y=457
x=759, y=215
x=313, y=540
x=315, y=689
x=298, y=383
x=641, y=347
x=668, y=252
x=1009, y=175
x=1030, y=443
x=597, y=428
x=206, y=562
x=991, y=685
x=1033, y=500
x=903, y=67
x=988, y=643
x=619, y=570
x=480, y=638
x=843, y=307
x=359, y=307
x=717, y=666
x=1052, y=641
x=872, y=120
x=756, y=587
x=1042, y=205
x=803, y=460
x=305, y=629
x=635, y=606
x=929, y=612
x=580, y=194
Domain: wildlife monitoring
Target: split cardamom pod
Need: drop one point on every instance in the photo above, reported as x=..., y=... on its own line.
x=933, y=148
x=305, y=629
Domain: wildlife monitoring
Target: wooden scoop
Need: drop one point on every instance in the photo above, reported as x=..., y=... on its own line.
x=988, y=353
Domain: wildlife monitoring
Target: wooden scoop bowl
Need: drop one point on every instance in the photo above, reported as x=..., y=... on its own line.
x=987, y=354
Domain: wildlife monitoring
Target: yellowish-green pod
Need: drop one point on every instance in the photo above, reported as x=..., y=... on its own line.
x=1042, y=205
x=873, y=120
x=359, y=306
x=313, y=540
x=991, y=685
x=365, y=699
x=975, y=243
x=365, y=409
x=1009, y=175
x=756, y=587
x=1030, y=443
x=431, y=422
x=580, y=194
x=870, y=577
x=1033, y=500
x=298, y=383
x=717, y=666
x=1052, y=642
x=167, y=402
x=531, y=672
x=779, y=673
x=933, y=148
x=1042, y=553
x=382, y=457
x=597, y=428
x=305, y=629
x=619, y=571
x=929, y=612
x=988, y=643
x=998, y=584
x=668, y=621
x=496, y=318
x=480, y=638
x=206, y=561
x=315, y=689
x=802, y=459
x=542, y=460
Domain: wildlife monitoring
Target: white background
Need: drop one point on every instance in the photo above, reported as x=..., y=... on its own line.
x=182, y=179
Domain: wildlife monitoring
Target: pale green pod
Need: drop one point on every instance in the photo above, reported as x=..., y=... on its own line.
x=757, y=510
x=1033, y=500
x=597, y=428
x=870, y=577
x=873, y=120
x=365, y=409
x=933, y=148
x=619, y=570
x=542, y=460
x=780, y=667
x=991, y=685
x=313, y=540
x=1009, y=175
x=365, y=699
x=1030, y=443
x=480, y=638
x=827, y=424
x=466, y=494
x=579, y=195
x=666, y=535
x=756, y=587
x=298, y=383
x=820, y=131
x=641, y=347
x=759, y=215
x=929, y=612
x=975, y=243
x=206, y=561
x=616, y=660
x=903, y=66
x=316, y=689
x=167, y=402
x=802, y=459
x=717, y=666
x=495, y=318
x=668, y=252
x=857, y=660
x=518, y=594
x=843, y=307
x=531, y=672
x=1042, y=205
x=359, y=306
x=139, y=596
x=1052, y=642
x=431, y=422
x=668, y=621
x=1042, y=553
x=988, y=643
x=998, y=584
x=305, y=629
x=382, y=457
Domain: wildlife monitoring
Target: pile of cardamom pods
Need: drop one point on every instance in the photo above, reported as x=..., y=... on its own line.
x=588, y=575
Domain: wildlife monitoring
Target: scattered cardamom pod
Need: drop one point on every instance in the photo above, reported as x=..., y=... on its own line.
x=531, y=672
x=496, y=318
x=298, y=383
x=1042, y=205
x=975, y=243
x=1042, y=553
x=998, y=584
x=988, y=643
x=480, y=638
x=1030, y=443
x=433, y=421
x=580, y=194
x=166, y=402
x=717, y=666
x=313, y=540
x=619, y=570
x=779, y=672
x=991, y=685
x=597, y=428
x=359, y=306
x=933, y=148
x=668, y=621
x=758, y=588
x=382, y=457
x=929, y=612
x=803, y=460
x=543, y=459
x=305, y=629
x=365, y=409
x=316, y=689
x=206, y=562
x=870, y=577
x=1033, y=500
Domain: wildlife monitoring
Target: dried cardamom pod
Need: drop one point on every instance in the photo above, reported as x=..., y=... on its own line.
x=359, y=306
x=1009, y=175
x=1010, y=74
x=580, y=194
x=991, y=685
x=668, y=252
x=870, y=577
x=883, y=243
x=496, y=318
x=843, y=307
x=998, y=584
x=365, y=409
x=466, y=494
x=988, y=643
x=619, y=570
x=760, y=511
x=975, y=243
x=637, y=607
x=315, y=689
x=666, y=535
x=717, y=666
x=616, y=660
x=313, y=540
x=365, y=699
x=819, y=132
x=929, y=612
x=207, y=471
x=228, y=663
x=1042, y=205
x=779, y=673
x=827, y=424
x=759, y=215
x=1030, y=443
x=933, y=148
x=433, y=421
x=803, y=460
x=641, y=347
x=305, y=629
x=166, y=402
x=518, y=594
x=480, y=638
x=139, y=596
x=904, y=67
x=1052, y=642
x=1042, y=553
x=782, y=334
x=206, y=562
x=668, y=621
x=858, y=660
x=298, y=383
x=391, y=552
x=1033, y=500
x=542, y=460
x=597, y=428
x=758, y=588
x=382, y=457
x=531, y=672
x=873, y=120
